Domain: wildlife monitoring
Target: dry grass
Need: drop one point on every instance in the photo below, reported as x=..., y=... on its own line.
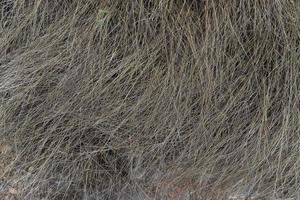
x=106, y=98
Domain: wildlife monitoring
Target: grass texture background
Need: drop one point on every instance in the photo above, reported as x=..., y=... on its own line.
x=101, y=98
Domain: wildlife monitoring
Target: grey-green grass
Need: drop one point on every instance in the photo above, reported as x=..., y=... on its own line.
x=102, y=98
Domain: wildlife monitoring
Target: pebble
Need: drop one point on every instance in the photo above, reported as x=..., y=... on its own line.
x=5, y=149
x=12, y=191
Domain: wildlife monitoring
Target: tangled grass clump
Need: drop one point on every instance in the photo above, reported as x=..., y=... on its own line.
x=103, y=98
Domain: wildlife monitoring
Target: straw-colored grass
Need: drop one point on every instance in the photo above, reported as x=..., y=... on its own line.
x=104, y=98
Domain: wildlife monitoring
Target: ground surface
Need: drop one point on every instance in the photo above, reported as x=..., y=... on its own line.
x=178, y=192
x=6, y=157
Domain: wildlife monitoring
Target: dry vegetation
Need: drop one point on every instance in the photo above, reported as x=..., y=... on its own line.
x=102, y=99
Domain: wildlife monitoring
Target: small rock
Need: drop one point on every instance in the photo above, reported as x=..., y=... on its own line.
x=12, y=191
x=30, y=169
x=5, y=149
